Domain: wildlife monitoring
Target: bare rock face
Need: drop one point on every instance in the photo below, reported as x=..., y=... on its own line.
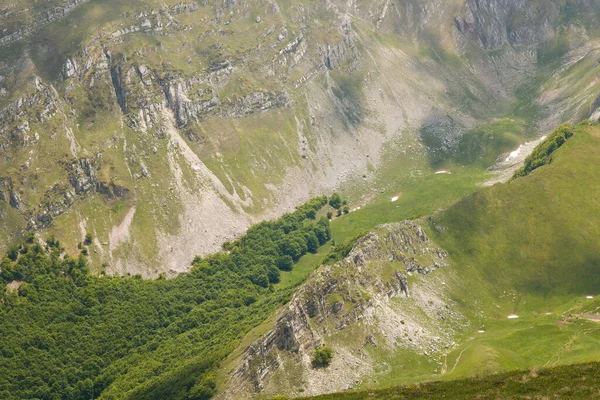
x=39, y=20
x=82, y=176
x=8, y=194
x=366, y=296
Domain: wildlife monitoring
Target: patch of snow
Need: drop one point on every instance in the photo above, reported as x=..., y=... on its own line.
x=589, y=297
x=395, y=198
x=443, y=172
x=481, y=331
x=514, y=154
x=513, y=316
x=505, y=169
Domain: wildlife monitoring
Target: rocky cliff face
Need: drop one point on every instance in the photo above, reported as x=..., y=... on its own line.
x=204, y=117
x=380, y=298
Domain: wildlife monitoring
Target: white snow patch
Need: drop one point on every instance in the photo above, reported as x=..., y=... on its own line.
x=589, y=297
x=395, y=198
x=513, y=316
x=505, y=169
x=443, y=172
x=481, y=331
x=514, y=154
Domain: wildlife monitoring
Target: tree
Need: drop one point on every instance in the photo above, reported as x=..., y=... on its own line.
x=53, y=242
x=259, y=275
x=322, y=357
x=30, y=238
x=346, y=210
x=88, y=239
x=335, y=200
x=273, y=274
x=329, y=215
x=323, y=230
x=13, y=253
x=312, y=242
x=285, y=262
x=293, y=245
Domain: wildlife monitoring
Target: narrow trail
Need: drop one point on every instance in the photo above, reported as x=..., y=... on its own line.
x=445, y=365
x=457, y=360
x=556, y=357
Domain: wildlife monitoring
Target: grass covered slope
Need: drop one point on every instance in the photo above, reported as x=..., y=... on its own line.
x=522, y=266
x=537, y=234
x=572, y=381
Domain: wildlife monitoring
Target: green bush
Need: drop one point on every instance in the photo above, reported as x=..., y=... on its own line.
x=30, y=238
x=335, y=201
x=322, y=357
x=13, y=253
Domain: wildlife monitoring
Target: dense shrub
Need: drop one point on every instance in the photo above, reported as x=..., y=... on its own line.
x=335, y=201
x=322, y=357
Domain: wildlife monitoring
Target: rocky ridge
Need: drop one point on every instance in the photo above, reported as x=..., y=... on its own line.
x=380, y=297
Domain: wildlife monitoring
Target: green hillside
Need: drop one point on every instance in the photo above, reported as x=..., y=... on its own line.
x=528, y=248
x=572, y=382
x=523, y=270
x=537, y=234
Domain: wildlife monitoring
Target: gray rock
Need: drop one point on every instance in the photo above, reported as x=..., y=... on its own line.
x=143, y=170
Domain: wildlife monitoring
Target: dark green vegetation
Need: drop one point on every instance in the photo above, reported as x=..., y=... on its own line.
x=68, y=334
x=542, y=154
x=565, y=382
x=322, y=357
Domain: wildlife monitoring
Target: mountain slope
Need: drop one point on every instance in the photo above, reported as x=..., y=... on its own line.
x=573, y=381
x=165, y=129
x=525, y=249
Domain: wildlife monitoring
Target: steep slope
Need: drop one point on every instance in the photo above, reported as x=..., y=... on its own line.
x=536, y=234
x=573, y=381
x=378, y=297
x=516, y=287
x=165, y=129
